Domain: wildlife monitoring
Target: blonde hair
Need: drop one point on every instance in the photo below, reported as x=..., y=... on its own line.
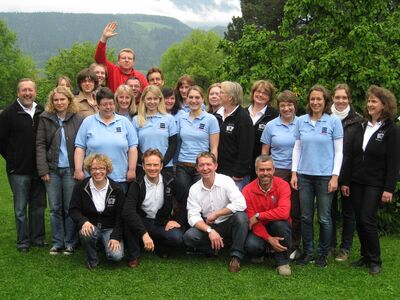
x=234, y=90
x=72, y=105
x=265, y=85
x=127, y=50
x=100, y=158
x=141, y=113
x=127, y=89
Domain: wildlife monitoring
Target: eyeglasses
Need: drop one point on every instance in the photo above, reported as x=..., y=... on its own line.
x=100, y=169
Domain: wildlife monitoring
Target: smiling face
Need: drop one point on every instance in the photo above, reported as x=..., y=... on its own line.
x=206, y=168
x=169, y=102
x=151, y=102
x=341, y=100
x=26, y=93
x=60, y=102
x=87, y=85
x=214, y=97
x=106, y=108
x=100, y=72
x=265, y=172
x=194, y=100
x=261, y=97
x=98, y=171
x=374, y=107
x=135, y=85
x=124, y=101
x=152, y=166
x=287, y=110
x=317, y=102
x=126, y=61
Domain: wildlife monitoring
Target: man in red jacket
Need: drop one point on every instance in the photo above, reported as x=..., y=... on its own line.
x=268, y=210
x=117, y=74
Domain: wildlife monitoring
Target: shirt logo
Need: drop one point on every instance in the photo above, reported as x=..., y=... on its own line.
x=202, y=126
x=118, y=129
x=230, y=128
x=111, y=201
x=324, y=130
x=162, y=125
x=379, y=136
x=168, y=190
x=261, y=126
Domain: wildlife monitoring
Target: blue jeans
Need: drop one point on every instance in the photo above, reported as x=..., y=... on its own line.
x=310, y=188
x=233, y=230
x=90, y=244
x=241, y=183
x=29, y=194
x=59, y=192
x=256, y=246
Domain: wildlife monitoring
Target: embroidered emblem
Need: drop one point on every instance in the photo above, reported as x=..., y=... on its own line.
x=202, y=126
x=379, y=136
x=162, y=125
x=111, y=200
x=261, y=126
x=324, y=130
x=230, y=128
x=118, y=129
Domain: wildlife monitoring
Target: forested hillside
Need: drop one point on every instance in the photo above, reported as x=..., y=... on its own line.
x=42, y=34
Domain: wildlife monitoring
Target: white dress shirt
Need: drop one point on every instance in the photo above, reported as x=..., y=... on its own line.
x=29, y=111
x=154, y=198
x=203, y=201
x=99, y=195
x=369, y=131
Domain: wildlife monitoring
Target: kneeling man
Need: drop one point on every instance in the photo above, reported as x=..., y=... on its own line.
x=268, y=210
x=216, y=212
x=156, y=204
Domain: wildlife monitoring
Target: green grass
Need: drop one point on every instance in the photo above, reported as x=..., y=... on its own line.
x=39, y=275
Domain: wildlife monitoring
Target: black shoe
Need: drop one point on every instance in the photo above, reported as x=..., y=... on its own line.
x=359, y=263
x=321, y=261
x=40, y=244
x=375, y=269
x=305, y=259
x=23, y=249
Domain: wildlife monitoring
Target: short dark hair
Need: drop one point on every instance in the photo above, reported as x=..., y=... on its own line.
x=87, y=73
x=206, y=154
x=104, y=92
x=154, y=70
x=151, y=152
x=263, y=158
x=168, y=92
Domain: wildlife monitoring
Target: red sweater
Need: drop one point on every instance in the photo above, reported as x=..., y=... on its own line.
x=115, y=76
x=272, y=206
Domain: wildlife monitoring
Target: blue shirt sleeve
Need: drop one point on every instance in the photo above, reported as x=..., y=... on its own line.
x=266, y=135
x=214, y=126
x=131, y=134
x=337, y=128
x=172, y=128
x=81, y=136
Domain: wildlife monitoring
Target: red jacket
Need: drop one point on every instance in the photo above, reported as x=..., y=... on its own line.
x=272, y=206
x=115, y=76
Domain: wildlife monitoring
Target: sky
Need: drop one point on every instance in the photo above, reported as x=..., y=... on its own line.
x=199, y=13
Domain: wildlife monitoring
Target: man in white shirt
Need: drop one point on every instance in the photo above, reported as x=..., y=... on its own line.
x=18, y=126
x=216, y=212
x=155, y=205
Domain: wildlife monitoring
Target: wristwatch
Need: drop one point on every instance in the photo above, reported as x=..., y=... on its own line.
x=209, y=229
x=257, y=215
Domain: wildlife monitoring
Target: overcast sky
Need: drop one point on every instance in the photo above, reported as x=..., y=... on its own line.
x=212, y=12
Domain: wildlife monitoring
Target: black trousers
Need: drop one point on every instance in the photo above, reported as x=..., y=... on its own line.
x=366, y=201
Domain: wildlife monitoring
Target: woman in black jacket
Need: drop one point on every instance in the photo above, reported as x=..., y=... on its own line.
x=351, y=120
x=55, y=139
x=261, y=112
x=96, y=207
x=371, y=171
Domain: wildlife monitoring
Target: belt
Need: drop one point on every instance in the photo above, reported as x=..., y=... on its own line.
x=186, y=164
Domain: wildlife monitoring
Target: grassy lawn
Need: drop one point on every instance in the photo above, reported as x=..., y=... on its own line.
x=39, y=275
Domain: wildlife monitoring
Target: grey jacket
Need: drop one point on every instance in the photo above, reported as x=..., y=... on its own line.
x=48, y=140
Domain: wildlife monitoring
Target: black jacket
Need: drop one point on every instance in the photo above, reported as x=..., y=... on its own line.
x=350, y=125
x=48, y=140
x=18, y=139
x=269, y=114
x=173, y=208
x=379, y=164
x=236, y=142
x=82, y=208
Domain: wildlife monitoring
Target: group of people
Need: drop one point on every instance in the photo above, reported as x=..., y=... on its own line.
x=136, y=165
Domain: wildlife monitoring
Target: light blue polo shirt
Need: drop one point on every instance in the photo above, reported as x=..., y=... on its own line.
x=195, y=135
x=280, y=138
x=317, y=144
x=156, y=132
x=113, y=140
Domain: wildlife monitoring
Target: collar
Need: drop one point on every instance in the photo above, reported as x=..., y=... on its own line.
x=340, y=114
x=221, y=111
x=279, y=121
x=323, y=118
x=92, y=186
x=262, y=112
x=149, y=183
x=217, y=182
x=28, y=110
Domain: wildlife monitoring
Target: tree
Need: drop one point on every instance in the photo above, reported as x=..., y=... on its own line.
x=326, y=42
x=14, y=65
x=196, y=55
x=263, y=14
x=68, y=62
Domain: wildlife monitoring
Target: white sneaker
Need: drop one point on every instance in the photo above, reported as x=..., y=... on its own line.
x=295, y=254
x=284, y=270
